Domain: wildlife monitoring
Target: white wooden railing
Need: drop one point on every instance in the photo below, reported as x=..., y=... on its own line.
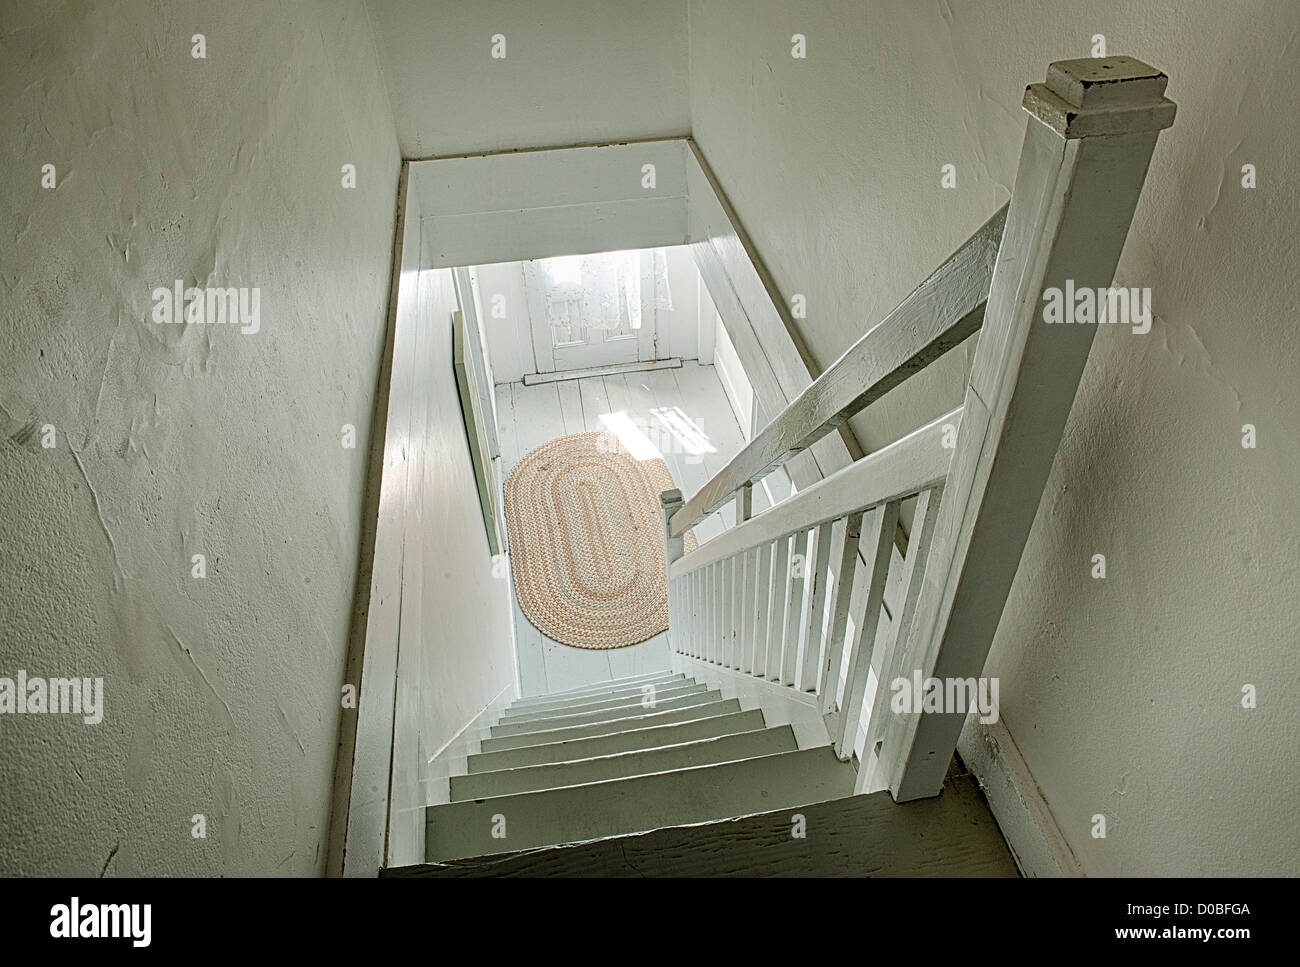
x=977, y=473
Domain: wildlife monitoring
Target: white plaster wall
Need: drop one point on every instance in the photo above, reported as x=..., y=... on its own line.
x=1123, y=694
x=575, y=72
x=222, y=695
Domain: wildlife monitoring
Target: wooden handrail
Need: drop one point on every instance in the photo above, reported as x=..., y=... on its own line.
x=940, y=313
x=901, y=470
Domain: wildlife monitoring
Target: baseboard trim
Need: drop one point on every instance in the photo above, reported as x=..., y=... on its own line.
x=532, y=379
x=1031, y=831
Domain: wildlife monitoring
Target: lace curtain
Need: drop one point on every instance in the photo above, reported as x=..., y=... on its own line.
x=602, y=291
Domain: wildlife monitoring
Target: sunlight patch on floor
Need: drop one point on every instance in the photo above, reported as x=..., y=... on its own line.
x=630, y=436
x=685, y=431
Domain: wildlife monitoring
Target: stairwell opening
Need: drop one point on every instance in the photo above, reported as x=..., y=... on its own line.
x=438, y=641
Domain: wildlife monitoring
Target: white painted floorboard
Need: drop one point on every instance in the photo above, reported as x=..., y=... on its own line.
x=685, y=414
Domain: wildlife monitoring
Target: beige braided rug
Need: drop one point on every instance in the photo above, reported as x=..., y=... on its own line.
x=587, y=541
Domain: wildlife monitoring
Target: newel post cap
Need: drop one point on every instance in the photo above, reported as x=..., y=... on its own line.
x=1100, y=96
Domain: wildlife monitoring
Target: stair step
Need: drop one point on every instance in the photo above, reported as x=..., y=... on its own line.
x=635, y=708
x=726, y=748
x=512, y=716
x=668, y=717
x=706, y=727
x=573, y=814
x=950, y=835
x=614, y=684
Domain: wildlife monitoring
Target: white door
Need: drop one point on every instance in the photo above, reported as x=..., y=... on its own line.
x=593, y=310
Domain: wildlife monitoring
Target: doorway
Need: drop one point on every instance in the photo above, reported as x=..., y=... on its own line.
x=596, y=310
x=561, y=317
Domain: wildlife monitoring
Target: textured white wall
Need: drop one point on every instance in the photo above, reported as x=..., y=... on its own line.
x=575, y=71
x=1123, y=694
x=222, y=694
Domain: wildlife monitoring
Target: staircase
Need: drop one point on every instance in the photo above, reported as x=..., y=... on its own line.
x=663, y=774
x=624, y=756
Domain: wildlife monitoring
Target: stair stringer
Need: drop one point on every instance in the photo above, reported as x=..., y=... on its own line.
x=450, y=760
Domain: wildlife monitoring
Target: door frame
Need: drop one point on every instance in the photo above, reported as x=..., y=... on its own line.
x=545, y=356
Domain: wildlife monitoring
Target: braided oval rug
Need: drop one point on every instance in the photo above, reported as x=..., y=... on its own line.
x=587, y=541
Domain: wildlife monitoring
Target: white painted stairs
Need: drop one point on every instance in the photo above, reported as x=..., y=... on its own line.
x=622, y=757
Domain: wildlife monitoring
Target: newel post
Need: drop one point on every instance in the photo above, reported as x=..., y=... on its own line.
x=671, y=501
x=1092, y=129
